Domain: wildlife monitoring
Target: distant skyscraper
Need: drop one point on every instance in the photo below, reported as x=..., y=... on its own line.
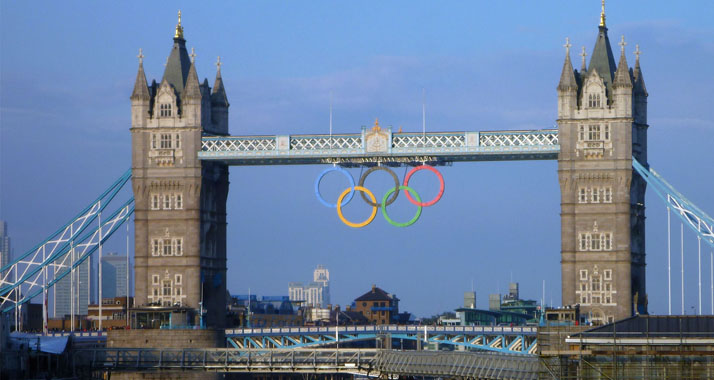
x=114, y=276
x=5, y=256
x=63, y=291
x=315, y=293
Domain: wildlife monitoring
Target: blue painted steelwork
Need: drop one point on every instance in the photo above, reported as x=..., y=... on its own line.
x=518, y=340
x=54, y=251
x=393, y=148
x=701, y=223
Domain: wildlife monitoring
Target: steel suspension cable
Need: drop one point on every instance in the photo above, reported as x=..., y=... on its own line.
x=669, y=259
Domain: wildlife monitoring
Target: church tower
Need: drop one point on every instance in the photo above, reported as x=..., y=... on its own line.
x=602, y=124
x=180, y=202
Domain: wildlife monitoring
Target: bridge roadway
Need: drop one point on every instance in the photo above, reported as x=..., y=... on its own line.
x=366, y=362
x=511, y=340
x=519, y=339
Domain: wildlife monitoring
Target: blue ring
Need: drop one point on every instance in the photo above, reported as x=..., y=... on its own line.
x=349, y=178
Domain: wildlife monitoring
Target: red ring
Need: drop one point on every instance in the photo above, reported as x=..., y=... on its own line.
x=441, y=181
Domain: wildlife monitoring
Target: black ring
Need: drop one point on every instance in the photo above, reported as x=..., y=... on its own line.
x=396, y=184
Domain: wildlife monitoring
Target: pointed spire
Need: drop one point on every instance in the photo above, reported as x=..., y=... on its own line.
x=567, y=77
x=602, y=59
x=141, y=89
x=192, y=89
x=218, y=96
x=583, y=67
x=602, y=15
x=639, y=85
x=622, y=75
x=178, y=62
x=179, y=29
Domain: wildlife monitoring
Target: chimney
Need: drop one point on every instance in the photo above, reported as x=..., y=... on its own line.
x=374, y=288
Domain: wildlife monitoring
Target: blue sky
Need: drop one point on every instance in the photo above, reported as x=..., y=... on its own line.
x=67, y=70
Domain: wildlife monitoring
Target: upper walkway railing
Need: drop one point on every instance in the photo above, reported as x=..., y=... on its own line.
x=378, y=145
x=386, y=329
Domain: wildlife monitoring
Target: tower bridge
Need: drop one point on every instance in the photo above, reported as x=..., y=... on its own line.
x=181, y=151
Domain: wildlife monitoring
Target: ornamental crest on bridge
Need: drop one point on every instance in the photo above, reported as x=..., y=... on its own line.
x=376, y=140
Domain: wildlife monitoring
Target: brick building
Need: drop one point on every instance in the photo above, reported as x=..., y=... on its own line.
x=378, y=306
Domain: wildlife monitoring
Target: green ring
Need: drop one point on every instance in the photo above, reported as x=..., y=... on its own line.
x=384, y=208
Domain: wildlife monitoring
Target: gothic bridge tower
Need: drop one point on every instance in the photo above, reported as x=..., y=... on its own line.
x=602, y=124
x=180, y=202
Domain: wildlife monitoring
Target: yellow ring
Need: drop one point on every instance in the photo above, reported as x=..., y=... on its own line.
x=339, y=207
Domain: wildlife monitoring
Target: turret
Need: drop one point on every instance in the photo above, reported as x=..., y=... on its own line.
x=567, y=87
x=219, y=102
x=140, y=97
x=622, y=86
x=639, y=90
x=191, y=95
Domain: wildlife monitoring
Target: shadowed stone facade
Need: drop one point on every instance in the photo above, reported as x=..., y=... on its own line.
x=180, y=202
x=602, y=123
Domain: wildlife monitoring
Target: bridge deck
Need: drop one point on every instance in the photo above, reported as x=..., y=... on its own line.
x=370, y=362
x=381, y=145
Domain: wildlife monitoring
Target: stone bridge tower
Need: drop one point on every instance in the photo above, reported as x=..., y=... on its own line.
x=602, y=124
x=180, y=202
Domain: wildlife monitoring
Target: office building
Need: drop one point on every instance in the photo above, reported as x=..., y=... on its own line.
x=315, y=293
x=114, y=275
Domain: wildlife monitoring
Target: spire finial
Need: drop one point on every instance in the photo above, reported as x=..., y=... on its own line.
x=193, y=55
x=218, y=64
x=567, y=45
x=602, y=14
x=140, y=56
x=583, y=54
x=637, y=52
x=179, y=28
x=622, y=44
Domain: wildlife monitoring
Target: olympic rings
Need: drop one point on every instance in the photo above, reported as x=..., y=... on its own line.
x=319, y=179
x=384, y=207
x=441, y=185
x=347, y=195
x=396, y=184
x=339, y=206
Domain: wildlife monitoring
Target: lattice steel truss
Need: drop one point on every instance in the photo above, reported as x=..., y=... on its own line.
x=514, y=340
x=701, y=223
x=40, y=268
x=406, y=148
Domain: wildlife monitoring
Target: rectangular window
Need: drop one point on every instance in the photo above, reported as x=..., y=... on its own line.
x=607, y=195
x=593, y=133
x=608, y=274
x=177, y=142
x=607, y=132
x=583, y=242
x=583, y=197
x=584, y=299
x=581, y=133
x=155, y=247
x=155, y=201
x=596, y=300
x=178, y=201
x=177, y=279
x=165, y=141
x=608, y=287
x=167, y=288
x=588, y=242
x=155, y=279
x=583, y=274
x=583, y=287
x=595, y=242
x=607, y=244
x=596, y=195
x=178, y=247
x=178, y=291
x=167, y=247
x=167, y=202
x=153, y=141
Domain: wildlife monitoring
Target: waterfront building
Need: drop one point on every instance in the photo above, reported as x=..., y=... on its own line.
x=64, y=290
x=315, y=293
x=114, y=275
x=5, y=255
x=378, y=306
x=268, y=311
